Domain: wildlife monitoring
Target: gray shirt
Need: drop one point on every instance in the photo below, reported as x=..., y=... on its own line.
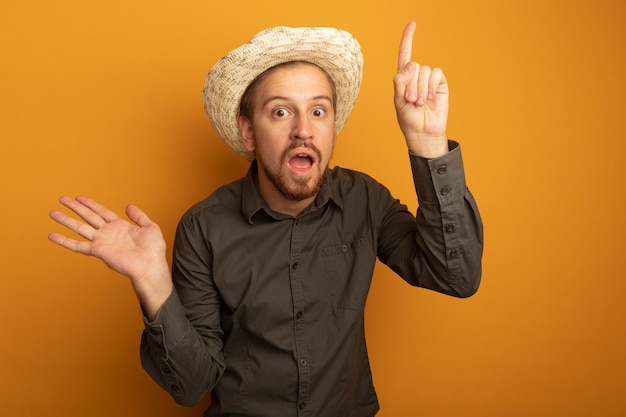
x=268, y=309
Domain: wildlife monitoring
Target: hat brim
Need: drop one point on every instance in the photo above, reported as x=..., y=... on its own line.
x=335, y=51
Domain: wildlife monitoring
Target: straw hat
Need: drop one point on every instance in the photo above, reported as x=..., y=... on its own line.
x=334, y=50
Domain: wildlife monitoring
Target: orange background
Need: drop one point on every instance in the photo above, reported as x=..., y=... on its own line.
x=103, y=98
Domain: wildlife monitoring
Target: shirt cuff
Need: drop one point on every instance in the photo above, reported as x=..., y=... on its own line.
x=439, y=180
x=170, y=322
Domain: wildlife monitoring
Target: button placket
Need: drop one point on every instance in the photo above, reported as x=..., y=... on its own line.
x=299, y=328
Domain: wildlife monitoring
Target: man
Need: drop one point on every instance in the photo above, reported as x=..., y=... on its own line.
x=265, y=304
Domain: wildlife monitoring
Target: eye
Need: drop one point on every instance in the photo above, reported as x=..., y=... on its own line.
x=280, y=112
x=319, y=112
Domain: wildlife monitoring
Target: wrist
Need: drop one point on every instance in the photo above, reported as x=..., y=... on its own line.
x=428, y=146
x=153, y=289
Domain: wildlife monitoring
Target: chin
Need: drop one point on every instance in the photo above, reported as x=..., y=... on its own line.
x=301, y=189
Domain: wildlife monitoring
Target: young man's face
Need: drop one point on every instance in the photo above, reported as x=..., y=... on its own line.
x=292, y=131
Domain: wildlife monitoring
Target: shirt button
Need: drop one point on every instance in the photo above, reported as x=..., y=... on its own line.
x=295, y=265
x=303, y=362
x=344, y=248
x=450, y=228
x=442, y=169
x=454, y=253
x=297, y=221
x=299, y=315
x=301, y=406
x=446, y=190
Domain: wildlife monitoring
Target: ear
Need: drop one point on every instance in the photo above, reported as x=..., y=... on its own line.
x=247, y=135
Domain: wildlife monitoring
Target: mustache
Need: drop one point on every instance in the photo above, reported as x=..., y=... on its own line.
x=302, y=144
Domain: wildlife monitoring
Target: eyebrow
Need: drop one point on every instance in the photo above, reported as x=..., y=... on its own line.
x=315, y=98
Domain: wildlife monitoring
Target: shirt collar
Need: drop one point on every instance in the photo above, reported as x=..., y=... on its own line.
x=252, y=202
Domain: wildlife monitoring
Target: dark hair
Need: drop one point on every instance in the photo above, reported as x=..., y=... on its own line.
x=246, y=105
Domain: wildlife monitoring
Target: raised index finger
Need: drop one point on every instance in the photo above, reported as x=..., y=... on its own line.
x=406, y=46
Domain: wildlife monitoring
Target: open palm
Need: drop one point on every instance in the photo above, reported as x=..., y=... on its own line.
x=131, y=249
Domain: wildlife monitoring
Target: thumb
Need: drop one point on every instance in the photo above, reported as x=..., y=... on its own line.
x=138, y=216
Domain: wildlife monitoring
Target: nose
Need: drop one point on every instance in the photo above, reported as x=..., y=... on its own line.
x=302, y=128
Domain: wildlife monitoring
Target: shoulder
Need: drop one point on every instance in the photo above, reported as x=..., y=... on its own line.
x=223, y=200
x=355, y=191
x=346, y=179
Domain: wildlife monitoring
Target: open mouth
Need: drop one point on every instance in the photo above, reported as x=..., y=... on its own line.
x=301, y=160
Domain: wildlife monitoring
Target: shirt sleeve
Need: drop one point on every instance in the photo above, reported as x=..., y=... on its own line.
x=441, y=247
x=182, y=348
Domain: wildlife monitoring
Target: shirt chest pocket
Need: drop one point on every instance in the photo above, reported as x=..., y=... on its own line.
x=348, y=269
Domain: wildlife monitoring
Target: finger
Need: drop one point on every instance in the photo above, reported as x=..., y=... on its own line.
x=412, y=92
x=93, y=219
x=71, y=244
x=83, y=229
x=102, y=211
x=437, y=84
x=406, y=46
x=423, y=83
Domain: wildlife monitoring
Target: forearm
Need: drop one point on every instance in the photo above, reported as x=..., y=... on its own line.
x=449, y=226
x=441, y=247
x=181, y=360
